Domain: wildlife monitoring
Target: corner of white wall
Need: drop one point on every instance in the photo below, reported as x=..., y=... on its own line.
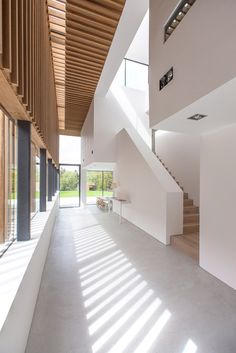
x=174, y=215
x=217, y=204
x=87, y=138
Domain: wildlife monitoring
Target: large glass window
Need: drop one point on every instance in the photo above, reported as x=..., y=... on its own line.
x=70, y=159
x=35, y=179
x=99, y=183
x=132, y=74
x=69, y=185
x=8, y=178
x=136, y=75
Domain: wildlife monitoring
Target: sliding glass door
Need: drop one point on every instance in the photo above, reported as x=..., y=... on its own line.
x=99, y=183
x=35, y=179
x=69, y=185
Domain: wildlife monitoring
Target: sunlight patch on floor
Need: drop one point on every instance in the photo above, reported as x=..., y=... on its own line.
x=190, y=347
x=123, y=314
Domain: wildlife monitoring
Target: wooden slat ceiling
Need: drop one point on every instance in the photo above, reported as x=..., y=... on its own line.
x=57, y=30
x=81, y=33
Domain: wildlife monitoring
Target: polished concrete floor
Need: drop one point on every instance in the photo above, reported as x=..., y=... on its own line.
x=111, y=288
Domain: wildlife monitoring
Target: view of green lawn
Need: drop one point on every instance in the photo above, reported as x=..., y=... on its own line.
x=96, y=182
x=90, y=193
x=99, y=193
x=73, y=193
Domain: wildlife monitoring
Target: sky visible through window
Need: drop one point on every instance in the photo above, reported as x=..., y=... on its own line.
x=69, y=149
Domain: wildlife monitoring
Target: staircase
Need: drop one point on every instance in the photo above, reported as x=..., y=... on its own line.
x=188, y=242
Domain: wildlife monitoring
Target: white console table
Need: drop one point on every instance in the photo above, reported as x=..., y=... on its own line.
x=121, y=202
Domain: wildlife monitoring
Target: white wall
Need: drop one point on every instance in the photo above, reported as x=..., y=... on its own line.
x=83, y=187
x=181, y=155
x=200, y=50
x=131, y=104
x=121, y=107
x=87, y=150
x=108, y=122
x=217, y=205
x=155, y=200
x=87, y=138
x=139, y=48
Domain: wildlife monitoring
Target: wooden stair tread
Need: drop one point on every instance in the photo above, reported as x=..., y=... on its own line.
x=191, y=239
x=188, y=202
x=191, y=224
x=191, y=218
x=190, y=207
x=191, y=210
x=190, y=228
x=189, y=244
x=189, y=215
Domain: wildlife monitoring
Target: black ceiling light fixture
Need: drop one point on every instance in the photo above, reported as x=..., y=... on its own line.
x=197, y=117
x=181, y=10
x=166, y=78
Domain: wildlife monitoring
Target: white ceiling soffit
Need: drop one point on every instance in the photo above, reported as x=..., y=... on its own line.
x=101, y=166
x=219, y=106
x=132, y=16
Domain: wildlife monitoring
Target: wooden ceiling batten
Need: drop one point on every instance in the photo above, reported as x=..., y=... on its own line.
x=80, y=26
x=98, y=17
x=57, y=29
x=26, y=73
x=90, y=28
x=73, y=18
x=80, y=32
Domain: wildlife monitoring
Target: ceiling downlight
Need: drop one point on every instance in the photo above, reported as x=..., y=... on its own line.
x=197, y=117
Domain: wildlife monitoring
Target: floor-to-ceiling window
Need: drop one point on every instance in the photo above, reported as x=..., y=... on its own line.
x=35, y=179
x=70, y=171
x=99, y=183
x=69, y=185
x=8, y=178
x=133, y=74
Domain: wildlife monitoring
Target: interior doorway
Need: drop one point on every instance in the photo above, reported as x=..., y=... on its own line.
x=70, y=185
x=99, y=183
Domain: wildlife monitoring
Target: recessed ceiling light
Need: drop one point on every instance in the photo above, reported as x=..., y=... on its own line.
x=197, y=117
x=177, y=16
